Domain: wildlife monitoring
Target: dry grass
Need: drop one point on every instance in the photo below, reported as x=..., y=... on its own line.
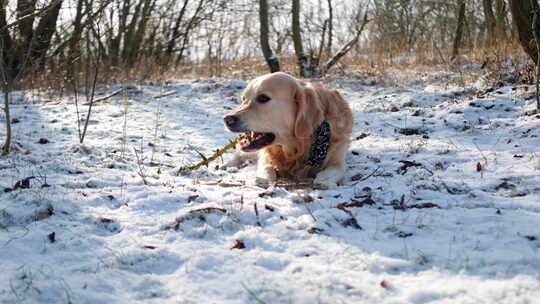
x=498, y=61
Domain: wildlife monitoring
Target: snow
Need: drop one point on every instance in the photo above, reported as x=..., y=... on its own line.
x=468, y=154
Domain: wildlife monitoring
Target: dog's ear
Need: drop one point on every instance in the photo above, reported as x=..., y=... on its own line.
x=308, y=112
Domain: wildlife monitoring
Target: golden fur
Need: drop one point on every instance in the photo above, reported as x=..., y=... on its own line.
x=293, y=113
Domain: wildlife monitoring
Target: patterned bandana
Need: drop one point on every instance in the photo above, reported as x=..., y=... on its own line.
x=319, y=147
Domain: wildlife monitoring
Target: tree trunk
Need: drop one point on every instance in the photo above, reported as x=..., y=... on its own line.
x=271, y=59
x=24, y=8
x=330, y=28
x=501, y=24
x=116, y=41
x=297, y=39
x=131, y=29
x=6, y=43
x=74, y=46
x=489, y=21
x=459, y=29
x=138, y=36
x=193, y=22
x=7, y=143
x=523, y=21
x=176, y=29
x=44, y=32
x=6, y=85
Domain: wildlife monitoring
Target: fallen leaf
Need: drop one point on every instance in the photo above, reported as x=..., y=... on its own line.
x=192, y=198
x=424, y=205
x=52, y=237
x=403, y=234
x=238, y=245
x=315, y=230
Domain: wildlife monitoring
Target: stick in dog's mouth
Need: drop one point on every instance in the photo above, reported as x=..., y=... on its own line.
x=253, y=141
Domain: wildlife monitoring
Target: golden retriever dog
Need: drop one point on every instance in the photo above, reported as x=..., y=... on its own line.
x=294, y=130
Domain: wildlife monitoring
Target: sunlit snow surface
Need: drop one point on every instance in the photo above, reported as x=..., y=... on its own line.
x=473, y=152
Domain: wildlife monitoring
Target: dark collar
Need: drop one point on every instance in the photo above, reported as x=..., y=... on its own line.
x=320, y=145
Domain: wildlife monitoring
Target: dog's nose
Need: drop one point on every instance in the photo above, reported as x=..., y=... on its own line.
x=230, y=120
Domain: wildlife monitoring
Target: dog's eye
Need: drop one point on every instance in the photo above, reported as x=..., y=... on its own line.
x=263, y=98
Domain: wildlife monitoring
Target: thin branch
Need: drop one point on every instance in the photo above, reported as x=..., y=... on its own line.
x=34, y=14
x=348, y=46
x=114, y=93
x=140, y=165
x=165, y=94
x=208, y=160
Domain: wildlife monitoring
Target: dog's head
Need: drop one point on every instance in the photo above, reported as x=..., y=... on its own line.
x=276, y=109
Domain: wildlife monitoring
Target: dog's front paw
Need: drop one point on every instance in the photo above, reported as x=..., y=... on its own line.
x=260, y=182
x=324, y=184
x=266, y=175
x=329, y=178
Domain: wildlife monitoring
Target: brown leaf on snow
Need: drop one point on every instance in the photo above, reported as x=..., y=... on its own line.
x=238, y=245
x=478, y=167
x=424, y=205
x=356, y=203
x=52, y=237
x=192, y=198
x=406, y=165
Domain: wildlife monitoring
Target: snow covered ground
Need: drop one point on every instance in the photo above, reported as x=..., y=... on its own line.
x=441, y=202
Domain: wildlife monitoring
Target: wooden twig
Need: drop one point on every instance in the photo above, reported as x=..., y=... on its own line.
x=140, y=164
x=106, y=97
x=224, y=184
x=309, y=211
x=208, y=210
x=257, y=214
x=368, y=176
x=208, y=160
x=165, y=94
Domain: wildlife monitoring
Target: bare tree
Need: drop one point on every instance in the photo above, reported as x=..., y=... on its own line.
x=490, y=22
x=28, y=38
x=271, y=59
x=304, y=66
x=501, y=13
x=330, y=28
x=19, y=47
x=407, y=23
x=526, y=16
x=308, y=63
x=349, y=45
x=523, y=12
x=7, y=87
x=459, y=28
